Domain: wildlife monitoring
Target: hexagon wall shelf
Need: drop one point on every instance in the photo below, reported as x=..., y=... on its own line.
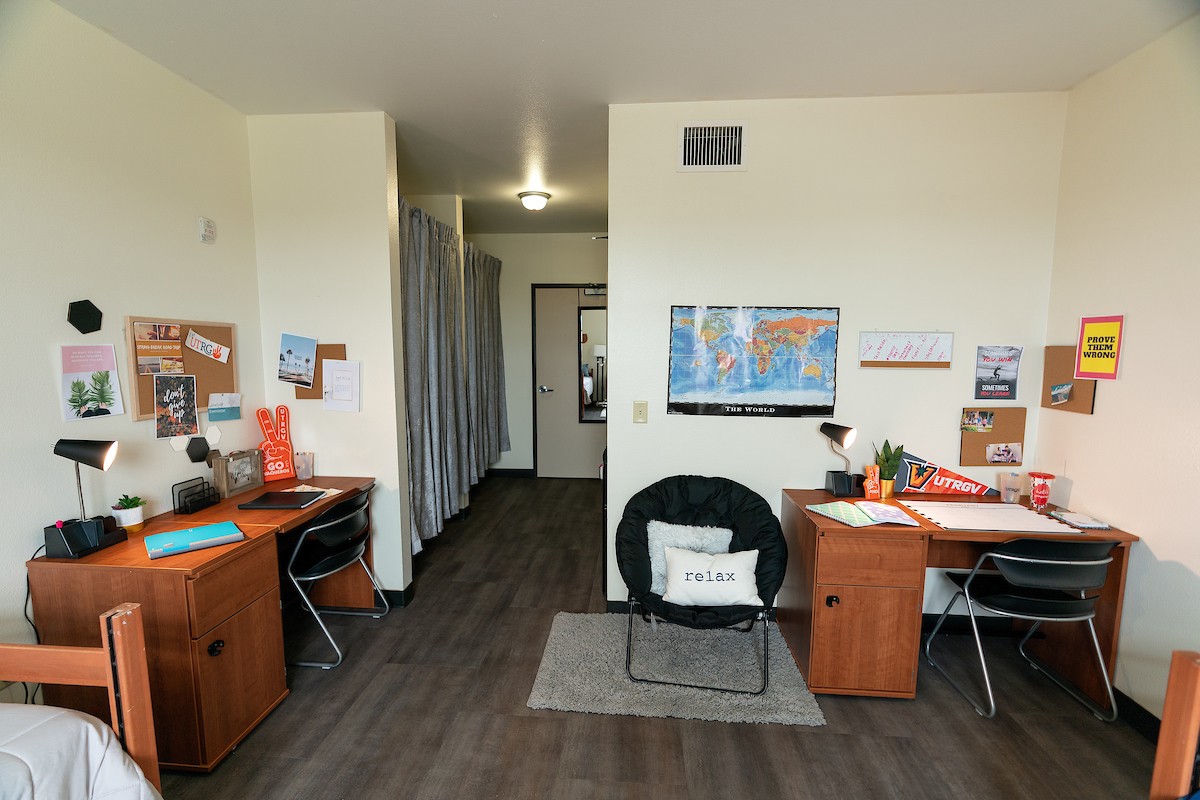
x=84, y=315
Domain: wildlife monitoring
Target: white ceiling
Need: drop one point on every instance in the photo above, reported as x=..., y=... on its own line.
x=491, y=97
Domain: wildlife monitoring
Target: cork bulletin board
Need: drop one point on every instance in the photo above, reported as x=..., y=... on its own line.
x=156, y=345
x=1008, y=430
x=336, y=352
x=1059, y=368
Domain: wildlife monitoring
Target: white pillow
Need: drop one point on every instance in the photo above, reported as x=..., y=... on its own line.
x=702, y=579
x=661, y=535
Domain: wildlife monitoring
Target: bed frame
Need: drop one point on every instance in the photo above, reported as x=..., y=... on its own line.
x=1175, y=759
x=118, y=664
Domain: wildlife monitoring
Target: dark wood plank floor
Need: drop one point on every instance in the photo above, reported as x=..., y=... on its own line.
x=430, y=702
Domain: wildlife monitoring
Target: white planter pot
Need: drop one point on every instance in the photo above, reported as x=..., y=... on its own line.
x=131, y=519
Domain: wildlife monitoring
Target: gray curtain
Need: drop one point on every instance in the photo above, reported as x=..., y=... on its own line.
x=439, y=448
x=486, y=404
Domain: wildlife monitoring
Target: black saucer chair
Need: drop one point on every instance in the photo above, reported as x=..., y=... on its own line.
x=711, y=502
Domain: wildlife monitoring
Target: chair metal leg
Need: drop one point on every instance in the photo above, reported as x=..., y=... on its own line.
x=632, y=677
x=375, y=612
x=1084, y=700
x=317, y=615
x=990, y=711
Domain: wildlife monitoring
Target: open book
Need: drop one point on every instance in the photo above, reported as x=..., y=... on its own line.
x=863, y=513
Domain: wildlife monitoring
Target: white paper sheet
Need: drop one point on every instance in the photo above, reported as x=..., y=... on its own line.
x=341, y=387
x=1008, y=517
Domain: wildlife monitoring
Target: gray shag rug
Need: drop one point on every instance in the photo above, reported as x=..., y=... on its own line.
x=583, y=669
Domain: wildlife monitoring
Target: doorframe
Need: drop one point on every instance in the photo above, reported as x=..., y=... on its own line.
x=533, y=288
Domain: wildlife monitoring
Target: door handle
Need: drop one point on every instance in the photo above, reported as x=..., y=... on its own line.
x=215, y=648
x=543, y=389
x=832, y=600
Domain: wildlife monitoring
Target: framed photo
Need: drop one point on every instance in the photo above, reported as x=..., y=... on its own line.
x=237, y=472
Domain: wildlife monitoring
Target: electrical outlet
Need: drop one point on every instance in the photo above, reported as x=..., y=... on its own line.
x=641, y=411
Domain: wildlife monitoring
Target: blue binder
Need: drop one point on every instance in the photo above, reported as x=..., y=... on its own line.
x=172, y=542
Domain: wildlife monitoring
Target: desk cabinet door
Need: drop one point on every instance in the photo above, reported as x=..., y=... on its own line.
x=240, y=670
x=865, y=639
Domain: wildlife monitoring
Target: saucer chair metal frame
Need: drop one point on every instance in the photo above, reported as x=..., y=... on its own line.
x=701, y=501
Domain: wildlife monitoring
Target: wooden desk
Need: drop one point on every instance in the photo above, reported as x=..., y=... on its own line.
x=214, y=638
x=850, y=604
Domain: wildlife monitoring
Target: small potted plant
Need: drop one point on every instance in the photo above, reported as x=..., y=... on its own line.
x=888, y=459
x=130, y=513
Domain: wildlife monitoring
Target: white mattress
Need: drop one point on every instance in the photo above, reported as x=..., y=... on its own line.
x=48, y=752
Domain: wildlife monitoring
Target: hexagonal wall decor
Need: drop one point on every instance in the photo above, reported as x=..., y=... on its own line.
x=197, y=449
x=84, y=315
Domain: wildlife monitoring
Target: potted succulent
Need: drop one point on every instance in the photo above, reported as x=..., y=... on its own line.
x=130, y=513
x=888, y=460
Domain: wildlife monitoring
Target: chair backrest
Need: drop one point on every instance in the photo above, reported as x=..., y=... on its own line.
x=344, y=524
x=1049, y=564
x=700, y=500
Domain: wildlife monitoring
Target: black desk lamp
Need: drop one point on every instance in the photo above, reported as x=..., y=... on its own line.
x=78, y=537
x=841, y=484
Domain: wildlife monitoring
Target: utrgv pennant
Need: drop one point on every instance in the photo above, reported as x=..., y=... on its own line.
x=207, y=347
x=918, y=475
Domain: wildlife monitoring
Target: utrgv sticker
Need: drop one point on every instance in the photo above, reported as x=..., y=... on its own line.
x=206, y=347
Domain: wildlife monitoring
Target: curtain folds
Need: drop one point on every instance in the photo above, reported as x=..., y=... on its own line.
x=486, y=404
x=435, y=394
x=453, y=368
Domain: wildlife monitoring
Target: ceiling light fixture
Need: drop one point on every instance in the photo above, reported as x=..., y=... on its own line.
x=534, y=201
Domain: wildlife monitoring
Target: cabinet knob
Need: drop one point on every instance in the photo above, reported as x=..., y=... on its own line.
x=214, y=649
x=832, y=600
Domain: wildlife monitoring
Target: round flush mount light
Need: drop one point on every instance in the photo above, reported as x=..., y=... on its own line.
x=534, y=201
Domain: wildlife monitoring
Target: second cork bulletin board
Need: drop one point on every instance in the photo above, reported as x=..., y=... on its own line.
x=156, y=346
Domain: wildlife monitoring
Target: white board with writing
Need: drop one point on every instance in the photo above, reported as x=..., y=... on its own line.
x=900, y=349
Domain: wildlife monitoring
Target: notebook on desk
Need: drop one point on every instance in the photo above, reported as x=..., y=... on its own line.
x=281, y=500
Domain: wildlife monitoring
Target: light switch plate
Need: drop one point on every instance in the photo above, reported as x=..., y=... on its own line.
x=207, y=229
x=641, y=411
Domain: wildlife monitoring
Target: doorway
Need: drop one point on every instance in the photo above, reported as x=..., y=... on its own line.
x=565, y=444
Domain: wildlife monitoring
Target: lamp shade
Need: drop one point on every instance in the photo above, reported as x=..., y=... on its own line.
x=87, y=451
x=600, y=351
x=840, y=434
x=534, y=201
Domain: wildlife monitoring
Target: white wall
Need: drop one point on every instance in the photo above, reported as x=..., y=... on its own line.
x=106, y=161
x=325, y=205
x=910, y=213
x=526, y=259
x=1129, y=243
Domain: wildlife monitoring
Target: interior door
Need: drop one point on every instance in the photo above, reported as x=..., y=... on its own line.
x=564, y=446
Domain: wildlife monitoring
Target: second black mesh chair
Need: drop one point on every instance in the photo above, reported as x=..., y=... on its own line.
x=1041, y=581
x=333, y=541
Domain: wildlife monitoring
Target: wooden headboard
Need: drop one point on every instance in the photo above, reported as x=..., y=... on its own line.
x=118, y=664
x=1175, y=759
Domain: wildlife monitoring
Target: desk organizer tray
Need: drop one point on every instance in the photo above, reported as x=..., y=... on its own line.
x=190, y=496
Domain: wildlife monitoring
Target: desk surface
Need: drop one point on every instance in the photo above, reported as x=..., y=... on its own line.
x=804, y=497
x=253, y=523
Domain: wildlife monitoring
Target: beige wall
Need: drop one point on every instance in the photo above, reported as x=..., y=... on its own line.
x=526, y=259
x=1128, y=242
x=107, y=161
x=914, y=213
x=325, y=205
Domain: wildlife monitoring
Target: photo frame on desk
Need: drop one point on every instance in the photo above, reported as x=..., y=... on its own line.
x=237, y=472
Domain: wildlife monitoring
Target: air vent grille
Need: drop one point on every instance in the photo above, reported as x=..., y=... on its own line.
x=712, y=147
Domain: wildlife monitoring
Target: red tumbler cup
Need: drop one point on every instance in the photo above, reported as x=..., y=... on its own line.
x=1039, y=489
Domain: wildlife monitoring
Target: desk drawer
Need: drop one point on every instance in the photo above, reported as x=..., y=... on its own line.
x=218, y=595
x=864, y=561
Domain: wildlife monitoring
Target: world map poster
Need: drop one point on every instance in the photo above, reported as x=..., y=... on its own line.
x=742, y=361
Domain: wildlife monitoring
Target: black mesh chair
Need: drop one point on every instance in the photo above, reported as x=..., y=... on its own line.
x=1040, y=581
x=700, y=501
x=331, y=542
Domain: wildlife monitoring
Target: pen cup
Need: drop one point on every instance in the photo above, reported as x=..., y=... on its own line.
x=304, y=466
x=1010, y=487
